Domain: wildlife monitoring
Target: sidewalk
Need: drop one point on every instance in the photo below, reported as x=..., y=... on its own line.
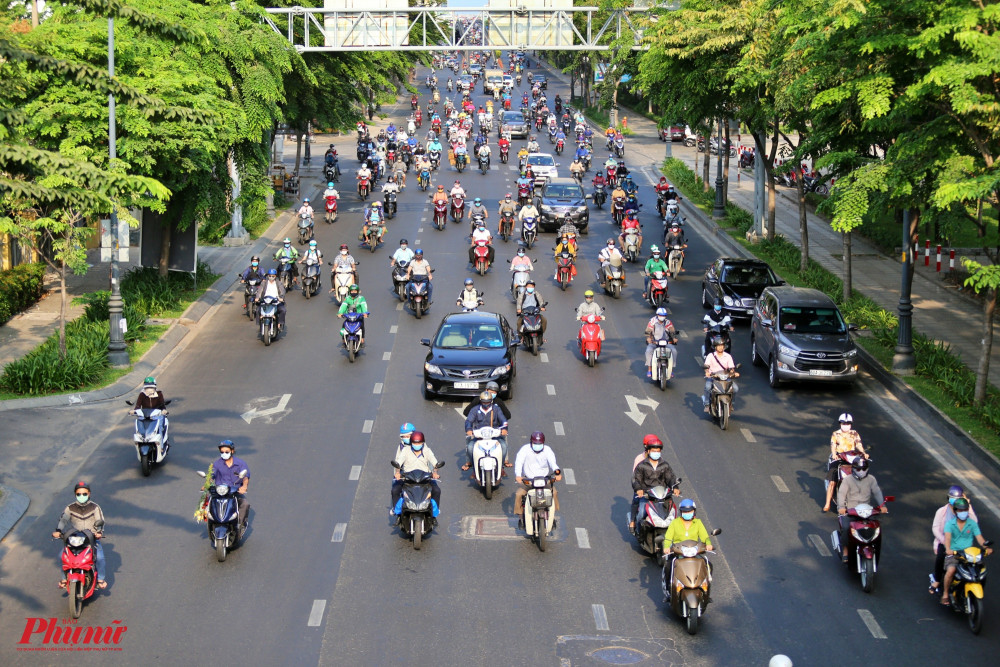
x=940, y=312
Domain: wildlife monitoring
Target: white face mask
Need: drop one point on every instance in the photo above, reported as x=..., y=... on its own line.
x=845, y=428
x=226, y=455
x=82, y=499
x=537, y=448
x=344, y=252
x=655, y=455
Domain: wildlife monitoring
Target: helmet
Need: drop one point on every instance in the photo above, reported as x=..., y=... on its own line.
x=287, y=241
x=508, y=196
x=150, y=381
x=486, y=397
x=330, y=184
x=661, y=312
x=477, y=200
x=228, y=443
x=305, y=200
x=537, y=438
x=717, y=303
x=651, y=442
x=375, y=203
x=492, y=386
x=860, y=468
x=589, y=294
x=406, y=428
x=648, y=438
x=687, y=504
x=717, y=341
x=846, y=418
x=441, y=188
x=403, y=241
x=272, y=272
x=955, y=491
x=655, y=250
x=468, y=281
x=343, y=246
x=610, y=242
x=530, y=282
x=417, y=436
x=419, y=252
x=255, y=258
x=85, y=486
x=354, y=288
x=312, y=244
x=961, y=505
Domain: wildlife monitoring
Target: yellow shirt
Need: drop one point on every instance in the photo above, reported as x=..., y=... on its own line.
x=845, y=442
x=679, y=530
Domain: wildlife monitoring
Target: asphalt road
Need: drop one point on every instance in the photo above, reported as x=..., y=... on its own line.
x=323, y=578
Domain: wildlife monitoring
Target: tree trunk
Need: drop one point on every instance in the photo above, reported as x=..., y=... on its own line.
x=803, y=224
x=34, y=13
x=772, y=195
x=983, y=370
x=166, y=230
x=848, y=286
x=706, y=169
x=725, y=169
x=298, y=151
x=62, y=310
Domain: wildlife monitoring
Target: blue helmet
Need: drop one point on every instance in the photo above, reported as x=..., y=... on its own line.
x=407, y=428
x=661, y=312
x=687, y=504
x=272, y=272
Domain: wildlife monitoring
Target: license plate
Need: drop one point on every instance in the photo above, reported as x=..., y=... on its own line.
x=820, y=373
x=466, y=385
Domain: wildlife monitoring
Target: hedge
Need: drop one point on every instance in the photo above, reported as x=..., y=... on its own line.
x=20, y=287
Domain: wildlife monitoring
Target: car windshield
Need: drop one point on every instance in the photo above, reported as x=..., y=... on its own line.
x=513, y=118
x=541, y=160
x=564, y=191
x=749, y=275
x=469, y=336
x=811, y=320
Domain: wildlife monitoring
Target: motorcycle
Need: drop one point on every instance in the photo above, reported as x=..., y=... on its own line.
x=564, y=269
x=78, y=564
x=810, y=184
x=658, y=289
x=506, y=225
x=590, y=339
x=416, y=291
x=418, y=117
x=151, y=439
x=331, y=173
x=389, y=204
x=249, y=297
x=416, y=510
x=531, y=328
x=487, y=459
x=631, y=253
x=350, y=332
x=663, y=362
x=470, y=304
x=539, y=510
x=689, y=582
x=552, y=133
x=966, y=592
x=375, y=232
x=713, y=329
x=504, y=154
x=600, y=195
x=529, y=230
x=399, y=278
x=435, y=158
x=364, y=188
x=618, y=210
x=269, y=319
x=457, y=208
x=285, y=272
x=311, y=278
x=657, y=508
x=518, y=281
x=560, y=146
x=613, y=279
x=523, y=194
x=720, y=399
x=675, y=259
x=864, y=546
x=343, y=278
x=484, y=164
x=331, y=209
x=424, y=179
x=305, y=229
x=481, y=252
x=223, y=518
x=461, y=160
x=440, y=213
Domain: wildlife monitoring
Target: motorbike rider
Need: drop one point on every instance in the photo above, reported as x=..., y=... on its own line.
x=659, y=328
x=943, y=515
x=533, y=145
x=610, y=256
x=420, y=267
x=861, y=488
x=651, y=472
x=960, y=533
x=435, y=146
x=534, y=459
x=272, y=288
x=457, y=190
x=621, y=174
x=253, y=272
x=481, y=234
x=599, y=180
x=405, y=433
x=567, y=243
x=654, y=264
x=402, y=254
x=530, y=298
x=85, y=515
x=306, y=213
x=508, y=207
x=468, y=295
x=520, y=261
x=391, y=186
x=843, y=440
x=364, y=173
x=527, y=211
x=226, y=470
x=150, y=398
x=440, y=196
x=356, y=301
x=415, y=457
x=588, y=307
x=674, y=236
x=478, y=209
x=488, y=414
x=718, y=361
x=715, y=318
x=618, y=192
x=312, y=252
x=576, y=168
x=685, y=527
x=399, y=170
x=331, y=191
x=494, y=389
x=663, y=186
x=344, y=260
x=485, y=151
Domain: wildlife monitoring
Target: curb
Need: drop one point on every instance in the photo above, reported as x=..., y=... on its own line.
x=13, y=505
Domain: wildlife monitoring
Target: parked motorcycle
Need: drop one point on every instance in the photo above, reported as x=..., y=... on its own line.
x=311, y=278
x=589, y=339
x=269, y=319
x=864, y=542
x=78, y=564
x=966, y=592
x=657, y=508
x=416, y=510
x=416, y=291
x=487, y=459
x=350, y=332
x=531, y=327
x=151, y=438
x=720, y=399
x=688, y=583
x=539, y=509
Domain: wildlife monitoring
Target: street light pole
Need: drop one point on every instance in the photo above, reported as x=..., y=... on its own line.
x=719, y=210
x=903, y=361
x=117, y=353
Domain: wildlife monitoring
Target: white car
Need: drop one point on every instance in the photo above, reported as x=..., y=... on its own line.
x=543, y=166
x=508, y=82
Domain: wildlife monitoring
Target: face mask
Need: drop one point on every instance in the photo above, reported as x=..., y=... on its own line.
x=404, y=439
x=961, y=515
x=82, y=499
x=718, y=309
x=687, y=516
x=226, y=455
x=253, y=264
x=343, y=252
x=537, y=448
x=661, y=320
x=860, y=474
x=417, y=446
x=845, y=427
x=655, y=455
x=520, y=253
x=531, y=290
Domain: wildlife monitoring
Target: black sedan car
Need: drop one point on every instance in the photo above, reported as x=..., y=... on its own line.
x=558, y=198
x=542, y=81
x=738, y=283
x=467, y=351
x=514, y=124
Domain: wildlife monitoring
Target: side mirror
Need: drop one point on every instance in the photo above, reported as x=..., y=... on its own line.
x=425, y=341
x=439, y=464
x=394, y=463
x=766, y=323
x=852, y=327
x=200, y=473
x=588, y=197
x=890, y=499
x=127, y=402
x=717, y=531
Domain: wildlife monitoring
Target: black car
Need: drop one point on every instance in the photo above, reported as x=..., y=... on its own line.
x=467, y=351
x=541, y=80
x=559, y=197
x=738, y=282
x=514, y=125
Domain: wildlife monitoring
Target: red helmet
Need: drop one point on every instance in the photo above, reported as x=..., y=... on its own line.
x=417, y=436
x=651, y=441
x=538, y=438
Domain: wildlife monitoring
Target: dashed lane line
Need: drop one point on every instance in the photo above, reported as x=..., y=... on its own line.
x=780, y=483
x=600, y=617
x=316, y=613
x=873, y=626
x=582, y=539
x=355, y=474
x=338, y=532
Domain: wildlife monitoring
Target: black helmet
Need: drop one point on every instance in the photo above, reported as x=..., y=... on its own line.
x=718, y=341
x=860, y=468
x=81, y=486
x=961, y=505
x=403, y=242
x=537, y=438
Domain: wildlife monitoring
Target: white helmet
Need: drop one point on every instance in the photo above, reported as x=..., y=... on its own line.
x=846, y=418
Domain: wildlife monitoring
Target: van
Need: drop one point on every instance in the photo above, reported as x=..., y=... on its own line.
x=494, y=77
x=799, y=334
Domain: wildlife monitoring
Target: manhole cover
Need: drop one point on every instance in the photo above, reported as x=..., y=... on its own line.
x=580, y=650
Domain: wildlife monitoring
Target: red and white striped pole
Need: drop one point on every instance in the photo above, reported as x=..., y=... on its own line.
x=927, y=253
x=939, y=258
x=951, y=259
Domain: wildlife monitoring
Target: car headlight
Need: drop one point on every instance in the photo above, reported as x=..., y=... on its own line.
x=500, y=370
x=431, y=368
x=851, y=353
x=788, y=351
x=547, y=209
x=728, y=300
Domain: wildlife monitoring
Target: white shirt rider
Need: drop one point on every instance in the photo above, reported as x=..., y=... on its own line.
x=527, y=211
x=458, y=191
x=364, y=172
x=482, y=234
x=610, y=255
x=529, y=464
x=331, y=192
x=306, y=210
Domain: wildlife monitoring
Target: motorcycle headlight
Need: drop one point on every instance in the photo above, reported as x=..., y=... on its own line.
x=689, y=552
x=788, y=351
x=500, y=370
x=874, y=534
x=76, y=540
x=222, y=489
x=431, y=368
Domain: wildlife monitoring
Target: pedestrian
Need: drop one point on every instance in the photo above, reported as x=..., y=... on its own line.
x=624, y=122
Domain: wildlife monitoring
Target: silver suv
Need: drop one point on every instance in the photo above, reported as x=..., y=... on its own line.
x=800, y=334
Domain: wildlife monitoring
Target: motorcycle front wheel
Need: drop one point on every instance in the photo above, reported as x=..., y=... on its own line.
x=975, y=614
x=692, y=621
x=534, y=346
x=220, y=550
x=351, y=351
x=144, y=463
x=540, y=535
x=591, y=358
x=868, y=575
x=267, y=334
x=418, y=532
x=723, y=415
x=75, y=591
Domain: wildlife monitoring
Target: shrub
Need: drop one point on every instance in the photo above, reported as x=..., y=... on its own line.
x=20, y=287
x=42, y=372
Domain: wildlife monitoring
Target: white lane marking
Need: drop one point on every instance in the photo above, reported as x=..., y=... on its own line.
x=748, y=435
x=367, y=428
x=698, y=359
x=582, y=540
x=355, y=474
x=550, y=389
x=819, y=545
x=417, y=241
x=423, y=219
x=386, y=356
x=316, y=614
x=600, y=617
x=683, y=335
x=420, y=230
x=399, y=306
x=394, y=328
x=338, y=532
x=544, y=357
x=565, y=662
x=873, y=626
x=569, y=476
x=780, y=483
x=460, y=411
x=559, y=428
x=378, y=388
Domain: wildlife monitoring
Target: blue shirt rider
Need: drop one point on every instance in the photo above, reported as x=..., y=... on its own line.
x=391, y=130
x=434, y=146
x=582, y=152
x=524, y=180
x=412, y=141
x=560, y=135
x=630, y=186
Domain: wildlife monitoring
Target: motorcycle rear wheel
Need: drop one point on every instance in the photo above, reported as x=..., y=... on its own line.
x=418, y=532
x=868, y=575
x=975, y=614
x=144, y=463
x=220, y=550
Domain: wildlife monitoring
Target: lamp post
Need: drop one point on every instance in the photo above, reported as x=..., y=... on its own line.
x=117, y=353
x=903, y=361
x=719, y=210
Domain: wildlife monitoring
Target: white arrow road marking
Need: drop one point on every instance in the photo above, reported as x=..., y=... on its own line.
x=269, y=414
x=634, y=413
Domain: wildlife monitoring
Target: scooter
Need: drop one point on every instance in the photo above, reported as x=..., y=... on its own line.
x=529, y=231
x=657, y=508
x=658, y=289
x=424, y=179
x=78, y=563
x=311, y=278
x=720, y=399
x=864, y=546
x=481, y=252
x=331, y=209
x=364, y=188
x=590, y=339
x=399, y=278
x=504, y=154
x=506, y=225
x=350, y=332
x=560, y=146
x=269, y=319
x=618, y=210
x=487, y=459
x=305, y=229
x=416, y=291
x=713, y=329
x=631, y=243
x=966, y=592
x=223, y=517
x=539, y=508
x=518, y=281
x=435, y=158
x=249, y=297
x=151, y=438
x=600, y=196
x=470, y=304
x=457, y=208
x=663, y=362
x=675, y=259
x=531, y=328
x=484, y=164
x=331, y=173
x=461, y=160
x=389, y=204
x=416, y=510
x=564, y=269
x=440, y=213
x=343, y=278
x=285, y=272
x=686, y=581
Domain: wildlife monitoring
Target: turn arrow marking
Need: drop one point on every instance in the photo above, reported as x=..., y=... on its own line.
x=269, y=413
x=634, y=413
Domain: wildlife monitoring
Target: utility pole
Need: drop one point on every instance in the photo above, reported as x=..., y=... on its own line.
x=903, y=361
x=117, y=352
